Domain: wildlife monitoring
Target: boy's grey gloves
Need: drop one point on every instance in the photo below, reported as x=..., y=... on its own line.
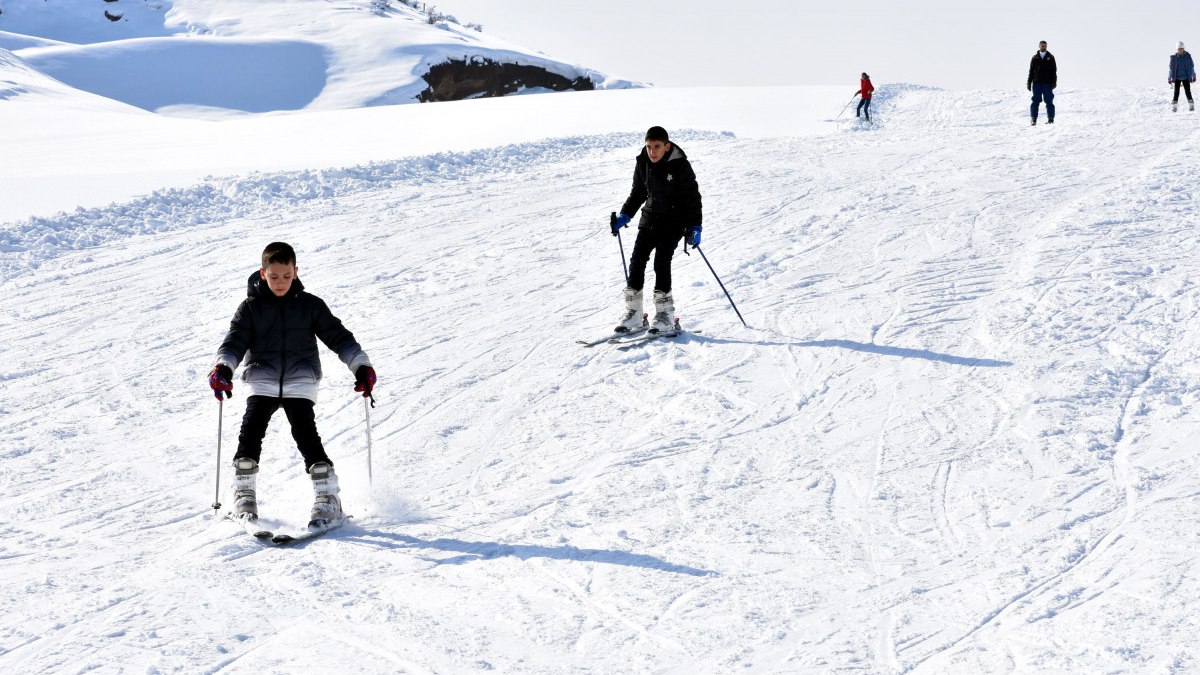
x=621, y=221
x=364, y=380
x=692, y=234
x=221, y=381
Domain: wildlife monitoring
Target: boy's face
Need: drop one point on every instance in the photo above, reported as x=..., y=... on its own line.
x=657, y=149
x=279, y=277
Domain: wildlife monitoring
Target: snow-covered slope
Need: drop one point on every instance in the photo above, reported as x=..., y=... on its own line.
x=208, y=57
x=957, y=438
x=85, y=157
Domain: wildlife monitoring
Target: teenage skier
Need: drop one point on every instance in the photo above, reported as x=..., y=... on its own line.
x=663, y=180
x=1043, y=78
x=276, y=329
x=1182, y=72
x=865, y=88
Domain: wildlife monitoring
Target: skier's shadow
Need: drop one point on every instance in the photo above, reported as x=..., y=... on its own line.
x=870, y=348
x=474, y=551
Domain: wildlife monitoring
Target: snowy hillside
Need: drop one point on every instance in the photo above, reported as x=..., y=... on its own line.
x=203, y=58
x=957, y=438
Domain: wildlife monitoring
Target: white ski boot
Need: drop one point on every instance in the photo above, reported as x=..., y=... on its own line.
x=664, y=313
x=1174, y=106
x=245, y=501
x=327, y=508
x=634, y=318
x=1191, y=106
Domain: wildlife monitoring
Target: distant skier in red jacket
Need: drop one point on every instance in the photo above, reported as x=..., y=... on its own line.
x=865, y=89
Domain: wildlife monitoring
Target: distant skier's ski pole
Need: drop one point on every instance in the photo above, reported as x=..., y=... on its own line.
x=220, y=418
x=714, y=273
x=367, y=408
x=612, y=221
x=843, y=112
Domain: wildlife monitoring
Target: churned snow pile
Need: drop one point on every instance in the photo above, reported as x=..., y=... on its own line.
x=957, y=436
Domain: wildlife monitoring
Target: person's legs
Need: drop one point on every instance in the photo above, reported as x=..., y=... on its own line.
x=858, y=110
x=1175, y=99
x=867, y=109
x=1037, y=100
x=1048, y=97
x=1187, y=90
x=302, y=416
x=259, y=410
x=666, y=241
x=642, y=247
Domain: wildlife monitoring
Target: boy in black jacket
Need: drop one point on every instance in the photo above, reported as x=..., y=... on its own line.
x=664, y=182
x=276, y=329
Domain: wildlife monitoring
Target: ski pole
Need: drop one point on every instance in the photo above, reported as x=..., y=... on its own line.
x=612, y=221
x=839, y=116
x=714, y=273
x=220, y=419
x=367, y=408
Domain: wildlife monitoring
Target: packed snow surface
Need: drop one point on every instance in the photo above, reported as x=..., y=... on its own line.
x=956, y=437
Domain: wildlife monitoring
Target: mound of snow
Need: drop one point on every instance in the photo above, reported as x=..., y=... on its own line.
x=24, y=84
x=247, y=74
x=273, y=55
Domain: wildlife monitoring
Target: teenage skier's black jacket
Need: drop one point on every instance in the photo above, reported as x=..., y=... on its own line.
x=278, y=338
x=667, y=188
x=1043, y=71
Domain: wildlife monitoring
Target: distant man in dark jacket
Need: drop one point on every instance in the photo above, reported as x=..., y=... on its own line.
x=664, y=186
x=1043, y=78
x=275, y=330
x=1183, y=72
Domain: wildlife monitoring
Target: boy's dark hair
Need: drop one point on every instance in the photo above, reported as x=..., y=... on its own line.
x=657, y=134
x=279, y=253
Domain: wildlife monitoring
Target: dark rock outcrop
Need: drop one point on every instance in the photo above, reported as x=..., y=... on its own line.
x=455, y=80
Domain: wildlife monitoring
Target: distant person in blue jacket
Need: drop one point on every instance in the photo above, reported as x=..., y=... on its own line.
x=1183, y=72
x=1043, y=78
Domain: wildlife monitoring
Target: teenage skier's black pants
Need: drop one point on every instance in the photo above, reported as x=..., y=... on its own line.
x=660, y=235
x=299, y=411
x=1187, y=89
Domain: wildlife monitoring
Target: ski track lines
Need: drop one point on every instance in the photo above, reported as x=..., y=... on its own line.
x=956, y=421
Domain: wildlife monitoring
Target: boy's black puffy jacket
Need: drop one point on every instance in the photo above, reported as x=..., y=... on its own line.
x=667, y=187
x=278, y=338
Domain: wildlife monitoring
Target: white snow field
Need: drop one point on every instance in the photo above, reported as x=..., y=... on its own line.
x=958, y=437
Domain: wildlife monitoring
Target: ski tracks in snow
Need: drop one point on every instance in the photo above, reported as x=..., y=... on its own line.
x=955, y=421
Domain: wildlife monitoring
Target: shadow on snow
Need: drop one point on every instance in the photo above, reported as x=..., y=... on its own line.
x=870, y=348
x=472, y=551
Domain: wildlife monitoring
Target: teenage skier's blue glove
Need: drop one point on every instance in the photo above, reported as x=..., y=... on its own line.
x=621, y=221
x=692, y=234
x=220, y=381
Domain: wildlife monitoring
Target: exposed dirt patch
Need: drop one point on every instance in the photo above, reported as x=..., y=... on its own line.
x=481, y=78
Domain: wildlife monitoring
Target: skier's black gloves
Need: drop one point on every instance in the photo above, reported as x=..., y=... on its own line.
x=221, y=381
x=364, y=380
x=621, y=221
x=692, y=234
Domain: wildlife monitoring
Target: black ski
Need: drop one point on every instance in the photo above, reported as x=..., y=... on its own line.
x=642, y=339
x=251, y=526
x=313, y=530
x=614, y=335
